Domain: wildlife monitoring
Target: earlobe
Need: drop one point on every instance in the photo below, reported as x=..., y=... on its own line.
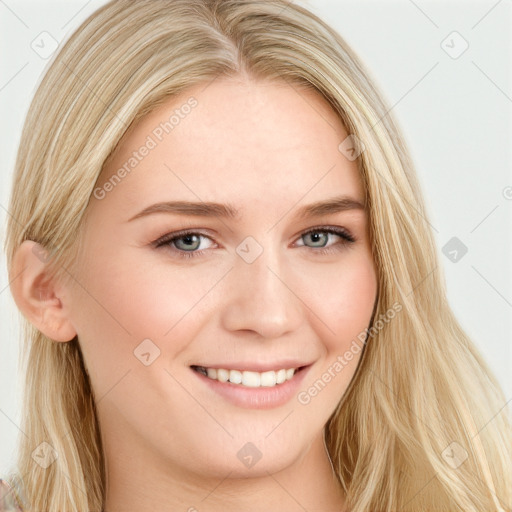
x=37, y=295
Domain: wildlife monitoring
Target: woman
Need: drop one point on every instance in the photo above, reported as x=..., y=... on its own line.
x=189, y=345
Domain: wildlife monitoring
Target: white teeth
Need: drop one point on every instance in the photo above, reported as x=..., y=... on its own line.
x=235, y=376
x=281, y=376
x=249, y=379
x=268, y=379
x=222, y=375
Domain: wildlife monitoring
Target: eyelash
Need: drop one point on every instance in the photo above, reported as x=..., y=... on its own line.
x=347, y=239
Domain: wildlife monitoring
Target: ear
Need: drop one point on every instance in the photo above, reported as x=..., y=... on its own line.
x=37, y=296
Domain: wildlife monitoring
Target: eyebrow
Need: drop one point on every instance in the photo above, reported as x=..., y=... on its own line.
x=227, y=211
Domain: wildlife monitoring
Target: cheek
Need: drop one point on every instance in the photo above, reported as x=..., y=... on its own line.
x=123, y=302
x=342, y=312
x=356, y=294
x=342, y=299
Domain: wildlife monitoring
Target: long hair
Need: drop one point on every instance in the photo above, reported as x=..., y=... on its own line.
x=418, y=427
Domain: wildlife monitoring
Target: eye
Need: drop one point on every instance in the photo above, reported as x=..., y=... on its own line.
x=186, y=244
x=320, y=237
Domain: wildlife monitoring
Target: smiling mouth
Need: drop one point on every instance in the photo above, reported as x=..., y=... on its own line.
x=248, y=378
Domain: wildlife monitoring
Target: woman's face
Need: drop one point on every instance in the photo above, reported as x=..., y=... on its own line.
x=248, y=295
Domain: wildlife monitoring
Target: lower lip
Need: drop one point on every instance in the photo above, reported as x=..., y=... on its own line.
x=256, y=398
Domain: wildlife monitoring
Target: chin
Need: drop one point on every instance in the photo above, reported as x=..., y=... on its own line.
x=242, y=458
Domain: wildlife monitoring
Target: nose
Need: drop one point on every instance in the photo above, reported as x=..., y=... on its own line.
x=260, y=297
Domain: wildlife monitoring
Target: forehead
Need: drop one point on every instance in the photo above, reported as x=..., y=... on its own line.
x=242, y=142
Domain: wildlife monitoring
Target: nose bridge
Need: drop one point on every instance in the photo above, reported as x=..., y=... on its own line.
x=259, y=298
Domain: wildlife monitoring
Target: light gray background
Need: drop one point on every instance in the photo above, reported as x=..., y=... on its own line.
x=455, y=114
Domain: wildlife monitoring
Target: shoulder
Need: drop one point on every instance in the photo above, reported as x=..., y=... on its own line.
x=8, y=498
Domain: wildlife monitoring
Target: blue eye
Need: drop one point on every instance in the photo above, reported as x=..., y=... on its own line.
x=322, y=235
x=191, y=241
x=185, y=244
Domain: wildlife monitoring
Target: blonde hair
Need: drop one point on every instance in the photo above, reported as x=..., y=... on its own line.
x=421, y=387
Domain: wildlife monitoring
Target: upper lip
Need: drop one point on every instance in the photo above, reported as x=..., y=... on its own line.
x=256, y=367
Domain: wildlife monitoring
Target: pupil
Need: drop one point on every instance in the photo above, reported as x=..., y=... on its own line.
x=189, y=240
x=316, y=236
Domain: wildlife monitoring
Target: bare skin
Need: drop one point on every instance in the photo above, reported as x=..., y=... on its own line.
x=172, y=441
